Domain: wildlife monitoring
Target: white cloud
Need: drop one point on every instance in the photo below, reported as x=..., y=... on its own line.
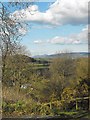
x=59, y=13
x=64, y=40
x=80, y=38
x=38, y=42
x=57, y=40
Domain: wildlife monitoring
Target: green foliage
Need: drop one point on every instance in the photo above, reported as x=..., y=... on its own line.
x=82, y=69
x=67, y=79
x=11, y=107
x=63, y=70
x=68, y=94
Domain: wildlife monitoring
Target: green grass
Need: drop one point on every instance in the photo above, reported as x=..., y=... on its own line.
x=42, y=67
x=37, y=66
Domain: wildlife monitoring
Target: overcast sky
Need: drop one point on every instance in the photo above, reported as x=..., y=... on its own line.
x=55, y=27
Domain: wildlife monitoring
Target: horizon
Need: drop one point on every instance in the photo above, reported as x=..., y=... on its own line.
x=87, y=52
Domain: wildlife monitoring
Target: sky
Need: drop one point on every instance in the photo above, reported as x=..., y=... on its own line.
x=54, y=27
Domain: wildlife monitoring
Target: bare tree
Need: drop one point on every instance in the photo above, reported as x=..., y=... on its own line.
x=10, y=34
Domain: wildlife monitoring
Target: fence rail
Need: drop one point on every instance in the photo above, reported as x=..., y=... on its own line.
x=59, y=102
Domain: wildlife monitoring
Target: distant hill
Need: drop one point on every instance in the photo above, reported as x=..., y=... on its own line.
x=73, y=54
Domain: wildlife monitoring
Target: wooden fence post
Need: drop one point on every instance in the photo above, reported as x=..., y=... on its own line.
x=50, y=105
x=76, y=104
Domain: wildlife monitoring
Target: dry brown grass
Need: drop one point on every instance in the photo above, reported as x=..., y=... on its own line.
x=12, y=94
